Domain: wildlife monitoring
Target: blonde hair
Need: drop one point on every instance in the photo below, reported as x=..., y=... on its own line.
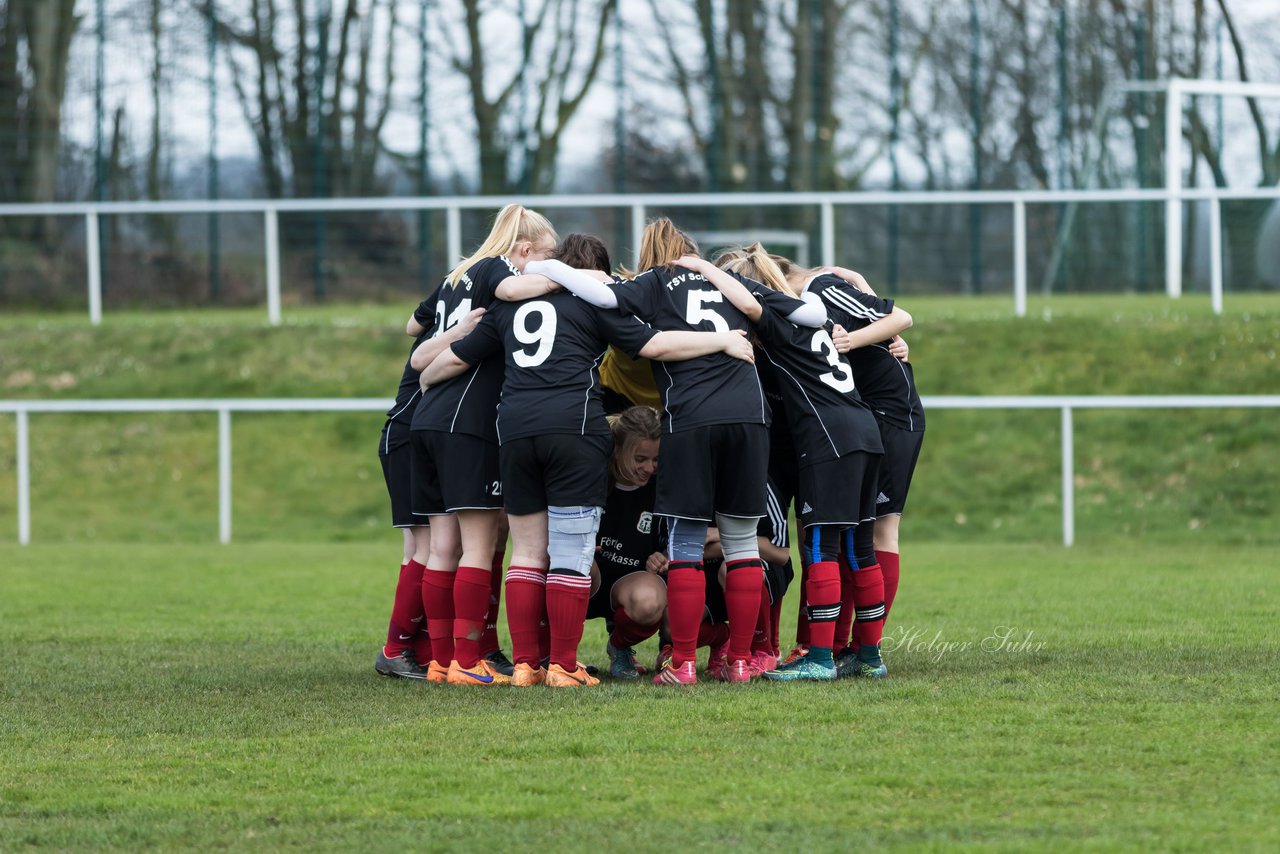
x=661, y=244
x=632, y=425
x=513, y=224
x=755, y=263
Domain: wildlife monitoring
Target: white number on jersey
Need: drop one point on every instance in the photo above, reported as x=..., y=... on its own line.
x=696, y=310
x=443, y=323
x=840, y=377
x=543, y=334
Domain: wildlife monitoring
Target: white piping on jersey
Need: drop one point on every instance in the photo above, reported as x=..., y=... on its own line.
x=510, y=266
x=777, y=517
x=671, y=382
x=807, y=400
x=475, y=372
x=586, y=398
x=848, y=304
x=391, y=417
x=911, y=421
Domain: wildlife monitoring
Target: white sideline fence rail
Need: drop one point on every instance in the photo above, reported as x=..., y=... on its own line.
x=1066, y=404
x=639, y=204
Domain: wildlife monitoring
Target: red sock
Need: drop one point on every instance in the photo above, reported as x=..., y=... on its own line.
x=889, y=567
x=775, y=620
x=686, y=600
x=406, y=610
x=760, y=640
x=822, y=593
x=526, y=612
x=422, y=647
x=489, y=640
x=742, y=581
x=802, y=619
x=712, y=634
x=627, y=632
x=470, y=602
x=844, y=623
x=868, y=600
x=567, y=596
x=437, y=603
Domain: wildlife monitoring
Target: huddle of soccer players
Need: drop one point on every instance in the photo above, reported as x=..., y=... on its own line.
x=516, y=332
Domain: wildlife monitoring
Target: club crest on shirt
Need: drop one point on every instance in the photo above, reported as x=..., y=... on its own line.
x=645, y=525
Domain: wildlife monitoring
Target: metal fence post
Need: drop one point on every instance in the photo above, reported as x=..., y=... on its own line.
x=93, y=260
x=828, y=234
x=273, y=265
x=1068, y=479
x=1173, y=186
x=453, y=235
x=1215, y=254
x=637, y=233
x=24, y=481
x=224, y=475
x=1020, y=258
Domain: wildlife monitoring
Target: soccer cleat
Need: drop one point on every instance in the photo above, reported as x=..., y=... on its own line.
x=672, y=675
x=437, y=672
x=869, y=664
x=718, y=661
x=482, y=674
x=846, y=662
x=622, y=662
x=500, y=662
x=558, y=677
x=802, y=668
x=762, y=662
x=738, y=670
x=526, y=675
x=798, y=651
x=402, y=666
x=664, y=657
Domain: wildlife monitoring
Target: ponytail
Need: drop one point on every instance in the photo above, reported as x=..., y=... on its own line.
x=661, y=244
x=513, y=224
x=754, y=262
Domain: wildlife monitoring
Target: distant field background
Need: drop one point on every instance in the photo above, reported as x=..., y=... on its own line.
x=158, y=690
x=1194, y=476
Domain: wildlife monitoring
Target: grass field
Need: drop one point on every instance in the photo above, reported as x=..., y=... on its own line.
x=223, y=697
x=160, y=691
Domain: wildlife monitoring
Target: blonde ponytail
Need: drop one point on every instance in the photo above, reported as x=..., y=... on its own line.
x=755, y=263
x=660, y=245
x=513, y=224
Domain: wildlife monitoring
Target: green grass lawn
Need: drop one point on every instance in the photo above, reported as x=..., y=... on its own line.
x=189, y=696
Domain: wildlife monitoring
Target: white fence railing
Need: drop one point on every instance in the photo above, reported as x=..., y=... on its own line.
x=640, y=204
x=1066, y=404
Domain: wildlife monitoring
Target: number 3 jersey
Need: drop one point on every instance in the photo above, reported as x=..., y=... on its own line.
x=467, y=403
x=826, y=417
x=714, y=389
x=553, y=346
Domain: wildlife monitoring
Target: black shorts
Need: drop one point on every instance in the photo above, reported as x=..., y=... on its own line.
x=559, y=470
x=778, y=577
x=452, y=472
x=397, y=468
x=720, y=468
x=839, y=492
x=601, y=605
x=901, y=451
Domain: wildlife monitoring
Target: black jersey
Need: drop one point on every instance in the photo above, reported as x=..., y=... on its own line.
x=395, y=433
x=826, y=417
x=553, y=346
x=886, y=383
x=628, y=530
x=467, y=403
x=714, y=389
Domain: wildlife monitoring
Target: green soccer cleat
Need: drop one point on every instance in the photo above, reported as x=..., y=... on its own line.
x=868, y=664
x=802, y=668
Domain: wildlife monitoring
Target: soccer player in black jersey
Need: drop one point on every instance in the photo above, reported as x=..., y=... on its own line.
x=629, y=590
x=886, y=381
x=836, y=443
x=456, y=481
x=714, y=444
x=555, y=441
x=408, y=647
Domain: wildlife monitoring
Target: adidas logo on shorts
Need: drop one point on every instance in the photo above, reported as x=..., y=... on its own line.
x=882, y=498
x=806, y=508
